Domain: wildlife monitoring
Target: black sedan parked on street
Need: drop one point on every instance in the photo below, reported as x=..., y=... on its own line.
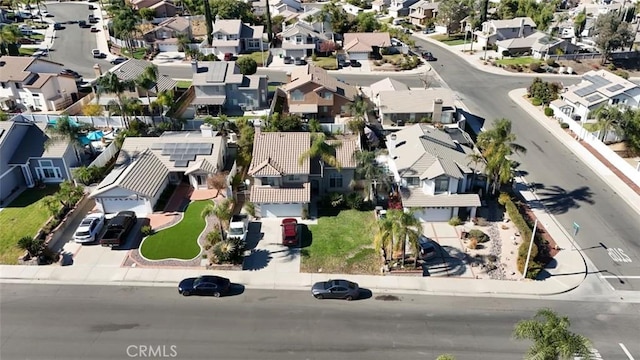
x=204, y=285
x=336, y=289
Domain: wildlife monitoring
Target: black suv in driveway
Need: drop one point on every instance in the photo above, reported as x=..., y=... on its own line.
x=288, y=60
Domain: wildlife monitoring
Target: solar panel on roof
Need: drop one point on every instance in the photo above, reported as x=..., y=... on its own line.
x=586, y=90
x=594, y=98
x=188, y=157
x=175, y=157
x=615, y=88
x=157, y=146
x=182, y=163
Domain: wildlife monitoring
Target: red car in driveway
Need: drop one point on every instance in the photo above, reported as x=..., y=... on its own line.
x=290, y=233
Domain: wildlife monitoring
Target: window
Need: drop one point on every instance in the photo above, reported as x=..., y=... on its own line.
x=441, y=185
x=45, y=163
x=615, y=101
x=4, y=85
x=293, y=178
x=297, y=95
x=219, y=36
x=36, y=101
x=253, y=43
x=413, y=181
x=335, y=180
x=327, y=95
x=271, y=181
x=47, y=171
x=233, y=37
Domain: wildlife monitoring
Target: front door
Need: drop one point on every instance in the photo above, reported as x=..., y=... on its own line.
x=28, y=178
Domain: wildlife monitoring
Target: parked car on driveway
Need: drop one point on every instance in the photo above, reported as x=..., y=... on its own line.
x=228, y=57
x=428, y=30
x=290, y=233
x=300, y=61
x=204, y=285
x=118, y=60
x=119, y=228
x=335, y=289
x=342, y=63
x=95, y=29
x=288, y=60
x=428, y=249
x=355, y=63
x=89, y=228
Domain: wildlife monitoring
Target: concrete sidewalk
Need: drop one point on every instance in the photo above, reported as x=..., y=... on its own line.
x=611, y=179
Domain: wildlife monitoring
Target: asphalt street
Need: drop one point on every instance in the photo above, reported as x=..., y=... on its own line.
x=608, y=227
x=92, y=322
x=72, y=45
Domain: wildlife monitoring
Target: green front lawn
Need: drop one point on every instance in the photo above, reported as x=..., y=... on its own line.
x=524, y=60
x=23, y=217
x=179, y=241
x=451, y=40
x=342, y=244
x=327, y=63
x=27, y=51
x=138, y=53
x=37, y=37
x=258, y=57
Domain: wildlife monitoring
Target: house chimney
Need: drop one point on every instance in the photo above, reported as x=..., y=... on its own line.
x=206, y=130
x=521, y=32
x=437, y=111
x=194, y=66
x=97, y=69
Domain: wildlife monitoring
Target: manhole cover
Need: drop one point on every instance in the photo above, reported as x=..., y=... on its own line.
x=387, y=298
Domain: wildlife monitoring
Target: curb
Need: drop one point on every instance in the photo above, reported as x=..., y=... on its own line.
x=589, y=160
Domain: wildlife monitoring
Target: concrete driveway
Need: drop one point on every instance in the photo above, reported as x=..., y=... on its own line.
x=267, y=253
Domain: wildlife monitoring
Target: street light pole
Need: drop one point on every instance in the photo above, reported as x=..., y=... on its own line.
x=526, y=264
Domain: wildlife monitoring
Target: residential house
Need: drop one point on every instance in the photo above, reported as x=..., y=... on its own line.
x=422, y=11
x=403, y=107
x=29, y=83
x=386, y=84
x=548, y=45
x=24, y=158
x=496, y=30
x=596, y=89
x=146, y=165
x=400, y=8
x=165, y=35
x=283, y=186
x=380, y=6
x=313, y=93
x=363, y=46
x=520, y=45
x=234, y=37
x=131, y=70
x=300, y=40
x=220, y=87
x=434, y=173
x=162, y=8
x=352, y=9
x=278, y=7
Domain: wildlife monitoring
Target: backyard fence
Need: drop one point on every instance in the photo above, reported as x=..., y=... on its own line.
x=95, y=121
x=106, y=155
x=593, y=140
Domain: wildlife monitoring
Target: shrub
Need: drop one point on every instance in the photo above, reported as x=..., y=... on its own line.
x=31, y=245
x=535, y=67
x=314, y=57
x=305, y=213
x=250, y=208
x=455, y=221
x=623, y=74
x=564, y=125
x=224, y=251
x=146, y=230
x=612, y=67
x=334, y=199
x=551, y=62
x=503, y=198
x=548, y=111
x=536, y=102
x=506, y=53
x=214, y=237
x=355, y=201
x=480, y=236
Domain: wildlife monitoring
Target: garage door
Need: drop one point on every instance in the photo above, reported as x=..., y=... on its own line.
x=434, y=214
x=113, y=205
x=168, y=47
x=295, y=53
x=358, y=56
x=281, y=210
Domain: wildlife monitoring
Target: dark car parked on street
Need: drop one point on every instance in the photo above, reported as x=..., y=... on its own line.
x=70, y=72
x=336, y=289
x=288, y=60
x=205, y=285
x=118, y=60
x=427, y=55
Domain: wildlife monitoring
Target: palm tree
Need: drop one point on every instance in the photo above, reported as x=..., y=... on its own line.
x=9, y=35
x=608, y=117
x=406, y=228
x=165, y=100
x=551, y=337
x=64, y=131
x=320, y=149
x=497, y=144
x=223, y=211
x=383, y=238
x=151, y=74
x=367, y=168
x=109, y=83
x=145, y=83
x=475, y=159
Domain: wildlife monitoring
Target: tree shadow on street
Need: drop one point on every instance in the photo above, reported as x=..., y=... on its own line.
x=558, y=201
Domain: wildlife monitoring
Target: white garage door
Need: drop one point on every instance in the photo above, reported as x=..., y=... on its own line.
x=281, y=210
x=434, y=214
x=358, y=56
x=168, y=47
x=295, y=53
x=113, y=205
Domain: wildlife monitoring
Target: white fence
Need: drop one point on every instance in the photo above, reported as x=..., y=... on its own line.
x=106, y=155
x=592, y=139
x=95, y=121
x=123, y=43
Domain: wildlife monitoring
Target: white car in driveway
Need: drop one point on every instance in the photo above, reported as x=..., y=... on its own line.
x=89, y=228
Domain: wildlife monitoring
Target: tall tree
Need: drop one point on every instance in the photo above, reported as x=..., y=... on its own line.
x=269, y=21
x=579, y=23
x=609, y=117
x=109, y=83
x=64, y=130
x=383, y=238
x=451, y=12
x=322, y=151
x=209, y=21
x=338, y=17
x=223, y=211
x=368, y=169
x=367, y=22
x=497, y=144
x=9, y=35
x=406, y=229
x=232, y=9
x=612, y=33
x=551, y=337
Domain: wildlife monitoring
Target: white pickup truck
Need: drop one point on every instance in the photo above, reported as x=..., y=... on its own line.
x=238, y=227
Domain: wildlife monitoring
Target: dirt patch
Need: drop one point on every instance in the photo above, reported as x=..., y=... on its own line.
x=198, y=28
